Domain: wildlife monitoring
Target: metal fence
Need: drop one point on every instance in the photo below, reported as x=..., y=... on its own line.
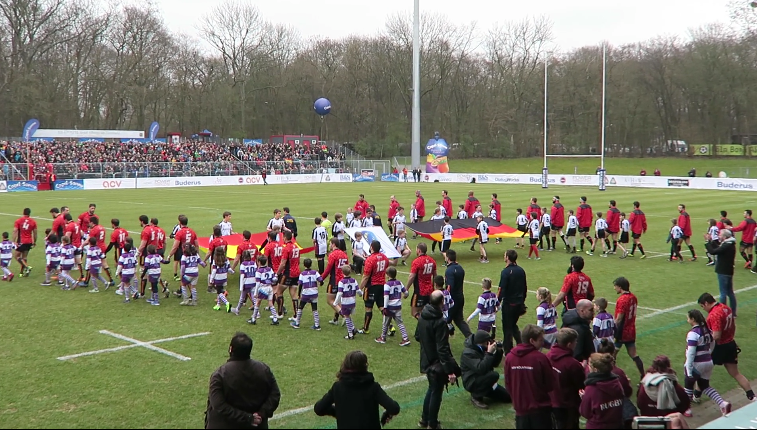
x=19, y=171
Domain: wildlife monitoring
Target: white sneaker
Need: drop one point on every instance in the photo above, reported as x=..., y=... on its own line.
x=725, y=408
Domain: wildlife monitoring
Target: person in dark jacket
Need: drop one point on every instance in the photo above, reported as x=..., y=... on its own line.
x=355, y=397
x=436, y=360
x=602, y=401
x=529, y=379
x=569, y=380
x=512, y=297
x=580, y=319
x=243, y=392
x=659, y=393
x=454, y=279
x=724, y=264
x=477, y=363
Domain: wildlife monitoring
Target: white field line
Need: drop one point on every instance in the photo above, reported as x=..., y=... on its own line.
x=686, y=305
x=298, y=411
x=137, y=343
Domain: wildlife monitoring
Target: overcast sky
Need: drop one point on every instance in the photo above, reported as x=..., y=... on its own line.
x=576, y=23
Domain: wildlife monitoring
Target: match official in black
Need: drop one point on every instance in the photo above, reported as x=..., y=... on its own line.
x=454, y=279
x=512, y=297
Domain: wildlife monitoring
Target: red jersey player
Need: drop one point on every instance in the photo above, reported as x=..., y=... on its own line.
x=422, y=273
x=337, y=259
x=613, y=224
x=747, y=227
x=470, y=204
x=289, y=272
x=84, y=221
x=557, y=215
x=117, y=238
x=684, y=222
x=638, y=226
x=246, y=245
x=273, y=251
x=74, y=234
x=372, y=285
x=625, y=321
x=576, y=285
x=585, y=217
x=722, y=322
x=59, y=222
x=25, y=235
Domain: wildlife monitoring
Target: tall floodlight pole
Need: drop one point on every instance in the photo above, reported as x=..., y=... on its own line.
x=545, y=171
x=602, y=171
x=416, y=127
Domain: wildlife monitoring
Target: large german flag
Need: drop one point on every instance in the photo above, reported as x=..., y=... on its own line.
x=463, y=229
x=235, y=240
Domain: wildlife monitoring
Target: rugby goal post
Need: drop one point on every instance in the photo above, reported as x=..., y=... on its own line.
x=602, y=172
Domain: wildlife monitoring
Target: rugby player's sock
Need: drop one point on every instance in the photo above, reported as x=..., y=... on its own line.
x=316, y=318
x=320, y=265
x=336, y=316
x=554, y=240
x=296, y=306
x=582, y=244
x=693, y=253
x=641, y=249
x=614, y=245
x=107, y=272
x=744, y=256
x=639, y=365
x=367, y=321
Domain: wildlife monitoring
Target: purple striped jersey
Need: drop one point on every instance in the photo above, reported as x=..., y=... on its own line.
x=348, y=287
x=309, y=280
x=546, y=317
x=152, y=265
x=604, y=326
x=52, y=253
x=67, y=258
x=265, y=276
x=487, y=304
x=247, y=270
x=701, y=339
x=447, y=303
x=393, y=292
x=6, y=249
x=128, y=263
x=190, y=265
x=221, y=274
x=94, y=257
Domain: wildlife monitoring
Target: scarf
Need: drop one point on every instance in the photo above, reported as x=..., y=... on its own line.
x=660, y=387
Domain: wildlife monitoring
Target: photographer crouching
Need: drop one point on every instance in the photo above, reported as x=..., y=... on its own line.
x=480, y=356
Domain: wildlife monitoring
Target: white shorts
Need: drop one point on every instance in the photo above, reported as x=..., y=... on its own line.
x=550, y=339
x=704, y=369
x=191, y=280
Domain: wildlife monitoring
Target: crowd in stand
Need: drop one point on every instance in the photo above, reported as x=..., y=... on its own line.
x=74, y=159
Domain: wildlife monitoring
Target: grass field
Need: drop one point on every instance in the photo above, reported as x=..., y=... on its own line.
x=671, y=166
x=141, y=388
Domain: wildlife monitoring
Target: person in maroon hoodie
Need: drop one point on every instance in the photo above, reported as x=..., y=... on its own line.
x=607, y=347
x=659, y=393
x=529, y=380
x=569, y=380
x=602, y=401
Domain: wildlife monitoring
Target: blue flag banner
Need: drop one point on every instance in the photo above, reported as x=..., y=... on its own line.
x=31, y=126
x=153, y=132
x=69, y=185
x=390, y=177
x=91, y=139
x=252, y=141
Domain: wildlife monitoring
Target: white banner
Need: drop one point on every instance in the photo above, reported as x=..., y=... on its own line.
x=109, y=183
x=94, y=134
x=3, y=187
x=375, y=233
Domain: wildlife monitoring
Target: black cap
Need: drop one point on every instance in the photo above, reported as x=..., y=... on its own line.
x=481, y=337
x=55, y=210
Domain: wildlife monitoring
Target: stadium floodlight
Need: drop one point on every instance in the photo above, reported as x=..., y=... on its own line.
x=415, y=153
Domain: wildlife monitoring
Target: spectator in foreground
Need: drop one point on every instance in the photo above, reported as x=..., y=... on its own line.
x=355, y=397
x=660, y=394
x=529, y=379
x=243, y=392
x=569, y=380
x=480, y=356
x=580, y=319
x=602, y=401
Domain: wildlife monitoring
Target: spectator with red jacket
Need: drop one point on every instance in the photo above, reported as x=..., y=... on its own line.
x=659, y=393
x=529, y=379
x=747, y=227
x=638, y=226
x=470, y=204
x=585, y=217
x=361, y=204
x=684, y=222
x=569, y=380
x=420, y=205
x=602, y=401
x=447, y=204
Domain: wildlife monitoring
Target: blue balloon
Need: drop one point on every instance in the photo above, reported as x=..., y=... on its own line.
x=322, y=106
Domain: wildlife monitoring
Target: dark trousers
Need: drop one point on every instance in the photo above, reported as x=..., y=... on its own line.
x=510, y=316
x=433, y=401
x=456, y=316
x=537, y=420
x=566, y=418
x=483, y=387
x=358, y=263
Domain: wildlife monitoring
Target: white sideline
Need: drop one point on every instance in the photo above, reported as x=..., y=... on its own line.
x=137, y=343
x=686, y=305
x=298, y=411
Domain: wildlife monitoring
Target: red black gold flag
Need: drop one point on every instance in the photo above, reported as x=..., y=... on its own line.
x=463, y=229
x=235, y=240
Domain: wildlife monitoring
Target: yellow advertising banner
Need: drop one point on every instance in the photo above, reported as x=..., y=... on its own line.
x=729, y=150
x=704, y=149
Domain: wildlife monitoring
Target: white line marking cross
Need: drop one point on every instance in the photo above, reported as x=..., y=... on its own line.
x=137, y=343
